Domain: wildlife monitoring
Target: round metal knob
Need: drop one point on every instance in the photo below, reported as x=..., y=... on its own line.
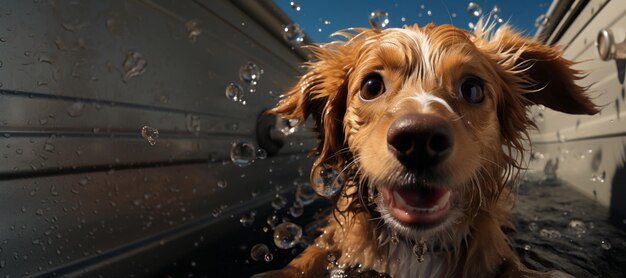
x=608, y=49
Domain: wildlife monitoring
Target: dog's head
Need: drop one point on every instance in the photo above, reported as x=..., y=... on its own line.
x=434, y=118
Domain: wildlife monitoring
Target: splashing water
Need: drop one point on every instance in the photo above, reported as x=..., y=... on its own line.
x=378, y=19
x=326, y=181
x=150, y=133
x=287, y=235
x=293, y=34
x=242, y=153
x=474, y=9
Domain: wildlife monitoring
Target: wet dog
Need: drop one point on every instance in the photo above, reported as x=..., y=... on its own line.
x=428, y=127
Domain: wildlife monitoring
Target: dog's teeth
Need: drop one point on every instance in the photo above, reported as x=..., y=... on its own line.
x=398, y=200
x=444, y=199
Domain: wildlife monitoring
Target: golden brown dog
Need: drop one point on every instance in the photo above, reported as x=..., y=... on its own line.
x=428, y=125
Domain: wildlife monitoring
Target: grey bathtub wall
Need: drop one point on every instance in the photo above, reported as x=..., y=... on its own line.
x=81, y=192
x=589, y=150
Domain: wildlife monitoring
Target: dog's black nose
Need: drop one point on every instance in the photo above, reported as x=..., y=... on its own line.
x=420, y=140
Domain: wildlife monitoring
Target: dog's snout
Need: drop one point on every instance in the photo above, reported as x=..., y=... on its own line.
x=419, y=140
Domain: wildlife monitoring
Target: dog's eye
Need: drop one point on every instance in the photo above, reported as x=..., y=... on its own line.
x=472, y=90
x=372, y=87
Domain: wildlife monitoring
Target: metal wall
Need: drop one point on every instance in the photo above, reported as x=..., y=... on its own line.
x=589, y=151
x=81, y=192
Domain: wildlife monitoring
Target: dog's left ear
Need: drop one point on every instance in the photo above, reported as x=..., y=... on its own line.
x=548, y=78
x=321, y=93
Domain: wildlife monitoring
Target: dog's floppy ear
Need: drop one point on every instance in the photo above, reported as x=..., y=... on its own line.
x=322, y=93
x=548, y=78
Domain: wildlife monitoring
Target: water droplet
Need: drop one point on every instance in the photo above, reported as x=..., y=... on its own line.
x=326, y=181
x=193, y=27
x=279, y=202
x=247, y=219
x=429, y=13
x=76, y=109
x=150, y=133
x=216, y=212
x=249, y=72
x=305, y=194
x=394, y=239
x=541, y=20
x=293, y=34
x=495, y=9
x=327, y=22
x=474, y=9
x=44, y=58
x=533, y=227
x=134, y=65
x=606, y=245
x=259, y=251
x=578, y=227
x=471, y=25
x=331, y=258
x=287, y=235
x=242, y=153
x=234, y=92
x=192, y=123
x=526, y=247
x=287, y=126
x=537, y=156
x=453, y=15
x=272, y=220
x=551, y=234
x=222, y=183
x=48, y=146
x=261, y=154
x=295, y=5
x=268, y=257
x=297, y=209
x=378, y=19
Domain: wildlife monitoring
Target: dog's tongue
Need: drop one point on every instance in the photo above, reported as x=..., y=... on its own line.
x=421, y=198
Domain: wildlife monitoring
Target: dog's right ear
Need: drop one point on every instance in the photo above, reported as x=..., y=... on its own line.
x=322, y=93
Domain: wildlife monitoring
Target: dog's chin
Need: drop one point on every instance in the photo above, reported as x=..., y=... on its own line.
x=417, y=211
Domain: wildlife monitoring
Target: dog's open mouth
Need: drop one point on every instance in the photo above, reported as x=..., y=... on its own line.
x=417, y=206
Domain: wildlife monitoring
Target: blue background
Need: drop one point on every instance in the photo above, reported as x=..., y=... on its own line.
x=345, y=14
